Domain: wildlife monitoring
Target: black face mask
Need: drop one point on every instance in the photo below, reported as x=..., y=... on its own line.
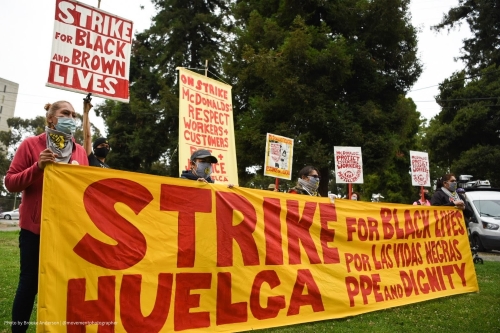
x=427, y=196
x=101, y=152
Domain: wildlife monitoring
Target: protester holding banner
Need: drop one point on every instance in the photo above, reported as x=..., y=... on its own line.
x=308, y=182
x=25, y=174
x=355, y=196
x=201, y=166
x=427, y=197
x=446, y=194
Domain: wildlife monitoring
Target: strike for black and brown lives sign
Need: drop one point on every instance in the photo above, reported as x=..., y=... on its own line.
x=90, y=51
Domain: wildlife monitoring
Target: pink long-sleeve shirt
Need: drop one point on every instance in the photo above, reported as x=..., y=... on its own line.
x=25, y=175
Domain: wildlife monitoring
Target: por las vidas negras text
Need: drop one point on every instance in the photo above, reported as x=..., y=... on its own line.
x=94, y=31
x=399, y=239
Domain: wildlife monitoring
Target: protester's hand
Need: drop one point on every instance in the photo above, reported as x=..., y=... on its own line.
x=202, y=180
x=46, y=157
x=459, y=204
x=230, y=185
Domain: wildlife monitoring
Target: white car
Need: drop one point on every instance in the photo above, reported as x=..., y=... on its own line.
x=484, y=226
x=12, y=215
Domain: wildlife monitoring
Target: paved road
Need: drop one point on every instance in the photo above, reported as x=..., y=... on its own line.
x=11, y=225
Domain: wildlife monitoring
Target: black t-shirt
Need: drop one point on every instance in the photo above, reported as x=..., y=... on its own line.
x=94, y=161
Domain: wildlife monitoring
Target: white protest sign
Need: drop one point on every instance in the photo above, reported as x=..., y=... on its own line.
x=348, y=165
x=420, y=174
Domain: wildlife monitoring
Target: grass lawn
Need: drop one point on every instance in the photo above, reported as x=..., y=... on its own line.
x=473, y=312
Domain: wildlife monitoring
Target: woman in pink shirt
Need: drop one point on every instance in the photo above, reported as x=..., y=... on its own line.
x=25, y=174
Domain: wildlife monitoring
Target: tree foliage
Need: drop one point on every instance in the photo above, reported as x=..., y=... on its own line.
x=144, y=133
x=465, y=136
x=325, y=74
x=483, y=18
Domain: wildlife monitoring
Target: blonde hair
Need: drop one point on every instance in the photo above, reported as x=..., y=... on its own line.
x=52, y=107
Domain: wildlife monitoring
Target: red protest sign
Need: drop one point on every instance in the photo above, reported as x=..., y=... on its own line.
x=90, y=51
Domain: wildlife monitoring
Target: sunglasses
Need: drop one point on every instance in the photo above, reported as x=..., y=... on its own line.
x=314, y=176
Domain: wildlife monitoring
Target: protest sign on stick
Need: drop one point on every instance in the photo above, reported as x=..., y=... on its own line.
x=279, y=156
x=90, y=51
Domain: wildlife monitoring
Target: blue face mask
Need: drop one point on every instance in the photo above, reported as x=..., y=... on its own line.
x=203, y=169
x=65, y=125
x=313, y=181
x=453, y=187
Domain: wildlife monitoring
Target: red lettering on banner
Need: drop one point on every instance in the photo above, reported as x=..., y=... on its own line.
x=274, y=303
x=228, y=312
x=361, y=261
x=442, y=251
x=385, y=261
x=99, y=199
x=391, y=225
x=413, y=281
x=410, y=229
x=365, y=231
x=366, y=285
x=312, y=298
x=327, y=213
x=130, y=304
x=272, y=231
x=184, y=301
x=242, y=233
x=298, y=230
x=174, y=198
x=79, y=310
x=449, y=223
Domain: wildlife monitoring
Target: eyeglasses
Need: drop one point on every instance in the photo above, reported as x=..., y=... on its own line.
x=314, y=176
x=452, y=181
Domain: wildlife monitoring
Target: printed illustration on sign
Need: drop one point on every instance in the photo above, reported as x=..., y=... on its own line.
x=420, y=169
x=348, y=166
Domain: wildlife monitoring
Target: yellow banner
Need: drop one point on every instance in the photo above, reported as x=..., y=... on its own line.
x=206, y=122
x=139, y=253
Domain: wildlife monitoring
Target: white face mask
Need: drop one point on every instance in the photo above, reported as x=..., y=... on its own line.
x=354, y=198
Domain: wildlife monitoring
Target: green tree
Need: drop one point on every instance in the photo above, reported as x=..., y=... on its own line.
x=144, y=133
x=325, y=74
x=483, y=18
x=465, y=136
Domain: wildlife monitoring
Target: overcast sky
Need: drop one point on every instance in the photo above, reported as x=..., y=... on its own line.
x=27, y=27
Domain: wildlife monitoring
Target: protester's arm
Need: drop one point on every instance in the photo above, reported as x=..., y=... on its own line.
x=26, y=167
x=87, y=135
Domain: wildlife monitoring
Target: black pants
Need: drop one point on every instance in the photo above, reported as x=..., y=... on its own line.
x=29, y=244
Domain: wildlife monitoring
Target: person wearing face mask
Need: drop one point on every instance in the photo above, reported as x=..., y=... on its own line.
x=308, y=182
x=427, y=197
x=101, y=148
x=355, y=196
x=201, y=166
x=446, y=195
x=25, y=174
